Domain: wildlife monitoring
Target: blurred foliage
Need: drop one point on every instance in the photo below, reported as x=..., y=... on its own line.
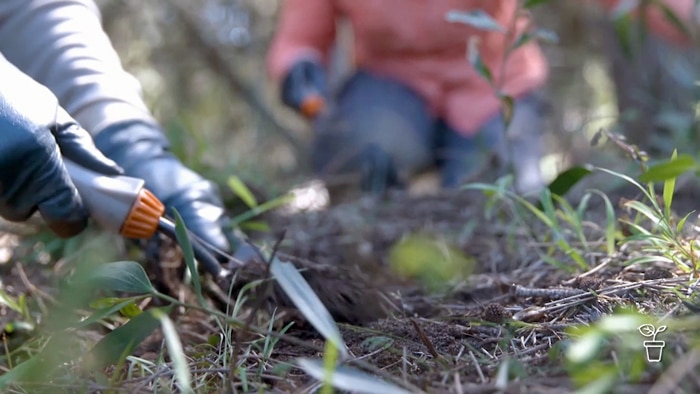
x=221, y=111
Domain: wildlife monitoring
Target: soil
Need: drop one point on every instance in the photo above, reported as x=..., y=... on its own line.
x=514, y=305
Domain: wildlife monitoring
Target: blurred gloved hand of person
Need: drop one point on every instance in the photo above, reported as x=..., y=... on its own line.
x=144, y=152
x=304, y=88
x=35, y=132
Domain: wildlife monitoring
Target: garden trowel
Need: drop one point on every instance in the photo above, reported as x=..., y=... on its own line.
x=123, y=205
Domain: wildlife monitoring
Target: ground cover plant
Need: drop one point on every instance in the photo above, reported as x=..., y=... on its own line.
x=552, y=299
x=587, y=287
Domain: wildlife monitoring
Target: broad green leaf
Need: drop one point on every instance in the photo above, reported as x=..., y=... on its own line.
x=124, y=276
x=242, y=191
x=669, y=169
x=177, y=355
x=308, y=303
x=475, y=18
x=568, y=179
x=123, y=340
x=349, y=379
x=183, y=239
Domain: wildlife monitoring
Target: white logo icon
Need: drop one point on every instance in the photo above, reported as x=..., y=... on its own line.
x=654, y=348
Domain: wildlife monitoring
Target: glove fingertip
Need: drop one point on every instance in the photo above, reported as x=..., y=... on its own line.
x=64, y=213
x=69, y=228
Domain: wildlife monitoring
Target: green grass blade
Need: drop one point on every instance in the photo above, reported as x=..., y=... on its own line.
x=177, y=354
x=183, y=239
x=242, y=191
x=349, y=379
x=610, y=222
x=308, y=303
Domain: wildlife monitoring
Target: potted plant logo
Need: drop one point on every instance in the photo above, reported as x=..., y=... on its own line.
x=654, y=348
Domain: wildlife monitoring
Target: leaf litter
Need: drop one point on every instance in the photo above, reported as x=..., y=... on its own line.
x=514, y=306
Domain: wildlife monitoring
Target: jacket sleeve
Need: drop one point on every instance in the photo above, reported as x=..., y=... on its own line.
x=61, y=45
x=659, y=23
x=305, y=30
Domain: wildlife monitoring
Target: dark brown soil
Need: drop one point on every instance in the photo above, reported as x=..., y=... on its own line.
x=514, y=306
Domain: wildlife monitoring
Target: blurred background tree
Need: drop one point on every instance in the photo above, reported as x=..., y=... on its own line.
x=201, y=64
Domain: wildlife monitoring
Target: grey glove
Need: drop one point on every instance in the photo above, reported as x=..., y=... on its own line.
x=143, y=151
x=34, y=133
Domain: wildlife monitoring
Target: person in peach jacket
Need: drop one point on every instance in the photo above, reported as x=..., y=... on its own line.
x=414, y=100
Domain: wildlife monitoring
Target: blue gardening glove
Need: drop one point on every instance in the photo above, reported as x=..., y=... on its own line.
x=143, y=151
x=35, y=132
x=304, y=88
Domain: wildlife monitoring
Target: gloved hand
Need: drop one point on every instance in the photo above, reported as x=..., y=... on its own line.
x=35, y=132
x=143, y=151
x=304, y=88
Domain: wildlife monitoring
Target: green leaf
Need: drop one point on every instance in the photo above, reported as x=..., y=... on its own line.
x=430, y=260
x=508, y=109
x=183, y=239
x=349, y=379
x=670, y=169
x=475, y=18
x=262, y=208
x=105, y=312
x=255, y=226
x=585, y=349
x=123, y=340
x=669, y=188
x=681, y=223
x=673, y=18
x=177, y=355
x=375, y=343
x=308, y=303
x=242, y=191
x=610, y=222
x=603, y=384
x=568, y=179
x=130, y=310
x=38, y=368
x=534, y=3
x=546, y=36
x=124, y=276
x=8, y=301
x=477, y=62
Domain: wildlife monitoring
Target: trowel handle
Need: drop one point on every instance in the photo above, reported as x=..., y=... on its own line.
x=117, y=203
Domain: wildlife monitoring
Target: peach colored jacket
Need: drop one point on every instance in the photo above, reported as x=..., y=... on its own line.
x=411, y=41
